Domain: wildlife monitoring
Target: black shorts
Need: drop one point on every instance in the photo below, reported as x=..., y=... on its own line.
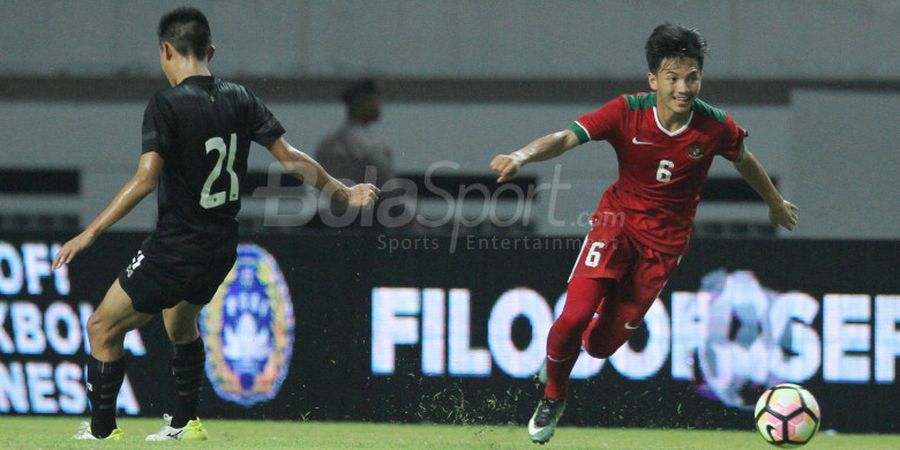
x=158, y=281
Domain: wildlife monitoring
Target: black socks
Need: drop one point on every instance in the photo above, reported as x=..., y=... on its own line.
x=187, y=366
x=105, y=378
x=103, y=381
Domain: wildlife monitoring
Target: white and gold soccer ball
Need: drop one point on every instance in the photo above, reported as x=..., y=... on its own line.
x=787, y=416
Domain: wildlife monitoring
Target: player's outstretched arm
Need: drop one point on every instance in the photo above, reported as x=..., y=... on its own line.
x=142, y=183
x=306, y=169
x=541, y=149
x=781, y=212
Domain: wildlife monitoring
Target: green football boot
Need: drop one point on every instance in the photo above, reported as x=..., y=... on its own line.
x=543, y=423
x=193, y=431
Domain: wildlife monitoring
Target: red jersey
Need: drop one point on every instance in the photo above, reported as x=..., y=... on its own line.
x=661, y=172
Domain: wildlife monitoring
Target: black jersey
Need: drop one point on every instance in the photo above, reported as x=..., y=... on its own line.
x=202, y=129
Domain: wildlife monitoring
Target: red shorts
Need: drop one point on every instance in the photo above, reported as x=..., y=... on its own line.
x=640, y=272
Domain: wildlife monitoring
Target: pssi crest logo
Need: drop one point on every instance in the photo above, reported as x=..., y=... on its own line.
x=695, y=151
x=248, y=329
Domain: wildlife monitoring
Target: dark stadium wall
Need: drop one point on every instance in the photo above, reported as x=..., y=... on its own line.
x=381, y=328
x=759, y=40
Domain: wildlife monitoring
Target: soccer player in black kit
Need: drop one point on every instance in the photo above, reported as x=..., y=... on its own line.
x=196, y=138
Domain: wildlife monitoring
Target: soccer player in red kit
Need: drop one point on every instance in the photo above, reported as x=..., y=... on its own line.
x=665, y=142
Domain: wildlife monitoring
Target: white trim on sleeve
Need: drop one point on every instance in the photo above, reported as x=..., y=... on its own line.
x=585, y=130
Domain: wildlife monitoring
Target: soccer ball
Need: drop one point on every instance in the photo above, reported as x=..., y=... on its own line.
x=787, y=416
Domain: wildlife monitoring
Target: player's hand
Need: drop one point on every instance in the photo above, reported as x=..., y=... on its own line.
x=73, y=247
x=362, y=195
x=784, y=214
x=506, y=167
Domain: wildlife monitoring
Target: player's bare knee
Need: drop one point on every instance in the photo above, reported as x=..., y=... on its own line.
x=105, y=344
x=103, y=333
x=96, y=327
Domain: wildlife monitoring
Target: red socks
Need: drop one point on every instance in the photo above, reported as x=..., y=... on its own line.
x=564, y=340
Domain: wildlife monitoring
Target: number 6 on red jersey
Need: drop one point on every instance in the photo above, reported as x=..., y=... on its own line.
x=593, y=257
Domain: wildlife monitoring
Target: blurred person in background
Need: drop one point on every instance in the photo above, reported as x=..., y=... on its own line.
x=355, y=153
x=353, y=149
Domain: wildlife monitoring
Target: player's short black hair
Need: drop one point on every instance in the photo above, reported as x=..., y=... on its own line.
x=360, y=89
x=674, y=41
x=187, y=30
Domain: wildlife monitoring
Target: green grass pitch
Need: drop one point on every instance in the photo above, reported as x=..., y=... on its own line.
x=55, y=433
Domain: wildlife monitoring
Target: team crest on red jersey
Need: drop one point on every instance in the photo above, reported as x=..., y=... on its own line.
x=695, y=151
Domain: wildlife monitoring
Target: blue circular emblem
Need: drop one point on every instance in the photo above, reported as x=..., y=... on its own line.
x=248, y=329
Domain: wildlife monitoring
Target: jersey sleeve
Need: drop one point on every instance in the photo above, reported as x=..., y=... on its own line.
x=264, y=127
x=601, y=124
x=732, y=144
x=156, y=131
